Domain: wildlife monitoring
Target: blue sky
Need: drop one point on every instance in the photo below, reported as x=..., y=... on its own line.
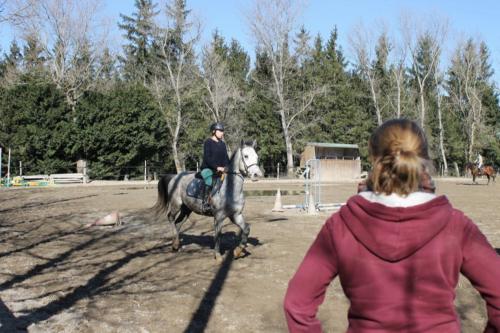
x=320, y=16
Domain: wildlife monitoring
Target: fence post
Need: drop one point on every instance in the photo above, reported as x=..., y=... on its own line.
x=20, y=168
x=8, y=167
x=145, y=171
x=278, y=173
x=0, y=162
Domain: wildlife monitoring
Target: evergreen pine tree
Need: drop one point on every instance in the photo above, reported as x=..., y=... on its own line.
x=139, y=29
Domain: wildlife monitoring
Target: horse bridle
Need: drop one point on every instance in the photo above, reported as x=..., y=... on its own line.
x=244, y=164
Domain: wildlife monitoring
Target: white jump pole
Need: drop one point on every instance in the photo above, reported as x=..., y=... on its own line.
x=8, y=168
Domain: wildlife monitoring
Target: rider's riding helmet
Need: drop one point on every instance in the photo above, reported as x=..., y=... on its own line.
x=218, y=126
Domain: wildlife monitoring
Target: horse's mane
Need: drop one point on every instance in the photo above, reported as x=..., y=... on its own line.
x=233, y=155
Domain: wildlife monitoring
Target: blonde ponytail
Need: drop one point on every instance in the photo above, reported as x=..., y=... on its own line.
x=399, y=153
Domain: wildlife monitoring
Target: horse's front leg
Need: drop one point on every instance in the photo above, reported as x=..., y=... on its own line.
x=217, y=237
x=240, y=250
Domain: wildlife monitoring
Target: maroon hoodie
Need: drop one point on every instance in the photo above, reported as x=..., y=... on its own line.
x=399, y=267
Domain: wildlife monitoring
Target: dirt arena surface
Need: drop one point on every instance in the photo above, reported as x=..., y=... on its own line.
x=59, y=277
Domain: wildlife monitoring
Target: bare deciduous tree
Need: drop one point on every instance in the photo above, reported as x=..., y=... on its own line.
x=174, y=68
x=14, y=11
x=272, y=23
x=66, y=29
x=363, y=41
x=438, y=82
x=222, y=97
x=398, y=73
x=467, y=89
x=433, y=33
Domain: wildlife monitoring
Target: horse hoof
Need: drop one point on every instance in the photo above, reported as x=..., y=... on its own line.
x=218, y=258
x=176, y=245
x=239, y=252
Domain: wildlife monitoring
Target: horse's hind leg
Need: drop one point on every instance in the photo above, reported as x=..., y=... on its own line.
x=177, y=224
x=240, y=250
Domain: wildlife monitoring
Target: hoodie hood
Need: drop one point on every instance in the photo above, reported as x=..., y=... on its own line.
x=395, y=233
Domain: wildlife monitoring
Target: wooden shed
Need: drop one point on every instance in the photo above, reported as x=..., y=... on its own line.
x=337, y=161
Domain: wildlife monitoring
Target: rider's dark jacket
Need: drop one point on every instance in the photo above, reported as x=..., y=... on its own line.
x=214, y=155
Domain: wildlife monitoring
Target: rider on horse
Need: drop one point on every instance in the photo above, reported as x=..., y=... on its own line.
x=215, y=160
x=479, y=162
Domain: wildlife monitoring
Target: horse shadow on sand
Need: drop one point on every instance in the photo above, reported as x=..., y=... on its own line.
x=229, y=241
x=473, y=184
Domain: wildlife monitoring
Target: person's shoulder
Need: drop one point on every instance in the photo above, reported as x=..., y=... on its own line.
x=459, y=221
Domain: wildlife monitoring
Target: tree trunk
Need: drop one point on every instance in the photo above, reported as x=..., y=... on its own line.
x=289, y=156
x=456, y=169
x=375, y=101
x=288, y=145
x=399, y=100
x=441, y=139
x=422, y=108
x=175, y=153
x=178, y=165
x=472, y=140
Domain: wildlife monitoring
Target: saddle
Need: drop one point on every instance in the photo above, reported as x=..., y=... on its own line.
x=196, y=186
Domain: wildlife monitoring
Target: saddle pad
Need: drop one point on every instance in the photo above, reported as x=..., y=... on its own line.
x=195, y=188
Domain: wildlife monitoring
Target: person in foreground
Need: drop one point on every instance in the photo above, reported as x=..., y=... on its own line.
x=397, y=248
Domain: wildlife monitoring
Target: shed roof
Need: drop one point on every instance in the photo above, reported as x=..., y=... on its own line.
x=332, y=145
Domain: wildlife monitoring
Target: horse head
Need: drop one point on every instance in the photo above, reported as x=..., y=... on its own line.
x=249, y=162
x=471, y=166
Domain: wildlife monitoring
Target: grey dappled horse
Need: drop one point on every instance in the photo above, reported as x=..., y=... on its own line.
x=228, y=201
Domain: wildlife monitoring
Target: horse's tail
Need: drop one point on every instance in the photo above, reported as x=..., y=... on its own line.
x=162, y=202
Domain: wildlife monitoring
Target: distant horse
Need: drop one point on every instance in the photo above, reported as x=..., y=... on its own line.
x=179, y=195
x=487, y=170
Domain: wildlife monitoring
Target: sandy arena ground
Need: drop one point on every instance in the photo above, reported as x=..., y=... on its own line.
x=59, y=277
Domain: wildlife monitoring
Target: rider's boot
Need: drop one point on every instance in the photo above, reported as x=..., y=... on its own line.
x=207, y=190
